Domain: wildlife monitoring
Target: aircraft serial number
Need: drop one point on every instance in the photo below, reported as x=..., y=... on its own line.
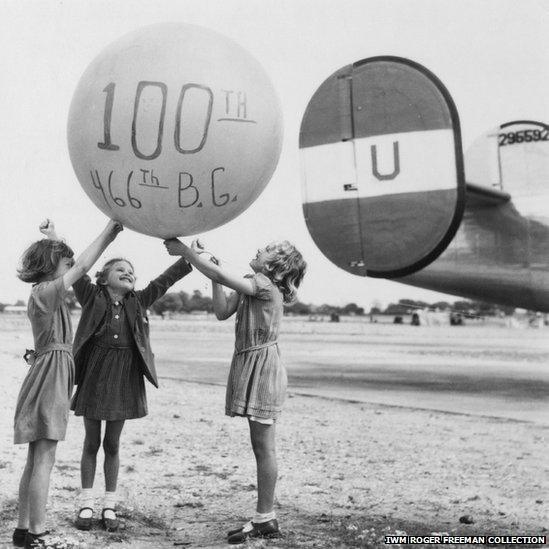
x=523, y=136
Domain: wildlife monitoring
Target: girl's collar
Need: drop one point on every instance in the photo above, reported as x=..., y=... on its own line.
x=110, y=299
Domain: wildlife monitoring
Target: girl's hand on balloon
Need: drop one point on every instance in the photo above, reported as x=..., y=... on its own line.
x=197, y=246
x=199, y=249
x=175, y=247
x=115, y=226
x=48, y=228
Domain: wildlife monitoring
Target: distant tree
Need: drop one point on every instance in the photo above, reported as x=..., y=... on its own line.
x=397, y=309
x=485, y=309
x=352, y=309
x=2, y=306
x=298, y=308
x=441, y=305
x=168, y=302
x=376, y=307
x=326, y=309
x=19, y=303
x=462, y=306
x=198, y=302
x=185, y=302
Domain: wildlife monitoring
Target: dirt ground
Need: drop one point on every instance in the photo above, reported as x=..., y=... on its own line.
x=349, y=473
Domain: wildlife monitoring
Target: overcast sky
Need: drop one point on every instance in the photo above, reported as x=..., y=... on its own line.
x=491, y=55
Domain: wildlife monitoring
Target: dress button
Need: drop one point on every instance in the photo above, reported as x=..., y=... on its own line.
x=117, y=317
x=115, y=336
x=116, y=303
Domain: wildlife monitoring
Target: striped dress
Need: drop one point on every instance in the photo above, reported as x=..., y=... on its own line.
x=257, y=379
x=42, y=409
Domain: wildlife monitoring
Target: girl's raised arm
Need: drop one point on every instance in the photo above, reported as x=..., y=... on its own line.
x=90, y=255
x=48, y=228
x=208, y=268
x=223, y=306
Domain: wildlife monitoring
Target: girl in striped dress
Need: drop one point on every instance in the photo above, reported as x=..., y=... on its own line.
x=42, y=410
x=257, y=380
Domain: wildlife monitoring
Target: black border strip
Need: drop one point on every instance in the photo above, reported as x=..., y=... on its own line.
x=533, y=122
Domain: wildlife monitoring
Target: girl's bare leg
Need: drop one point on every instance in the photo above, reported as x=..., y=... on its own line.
x=263, y=444
x=39, y=483
x=23, y=520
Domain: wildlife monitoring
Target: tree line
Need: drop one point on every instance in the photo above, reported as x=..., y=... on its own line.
x=183, y=302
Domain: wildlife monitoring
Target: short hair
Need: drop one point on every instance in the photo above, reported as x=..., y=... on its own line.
x=101, y=276
x=42, y=258
x=285, y=267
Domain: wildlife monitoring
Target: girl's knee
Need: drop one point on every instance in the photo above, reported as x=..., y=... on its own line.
x=92, y=440
x=91, y=445
x=110, y=446
x=44, y=459
x=263, y=449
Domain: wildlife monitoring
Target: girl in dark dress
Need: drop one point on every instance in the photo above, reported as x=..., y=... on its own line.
x=112, y=356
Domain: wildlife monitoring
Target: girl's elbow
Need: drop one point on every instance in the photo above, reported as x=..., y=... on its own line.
x=216, y=277
x=220, y=315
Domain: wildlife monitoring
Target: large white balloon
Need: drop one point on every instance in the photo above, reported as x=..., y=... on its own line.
x=174, y=129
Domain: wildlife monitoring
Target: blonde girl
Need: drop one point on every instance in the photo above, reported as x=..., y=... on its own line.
x=257, y=381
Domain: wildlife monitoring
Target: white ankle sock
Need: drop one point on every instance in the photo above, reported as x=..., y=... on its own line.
x=264, y=517
x=86, y=500
x=108, y=503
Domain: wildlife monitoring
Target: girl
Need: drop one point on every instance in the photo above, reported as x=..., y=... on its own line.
x=257, y=379
x=112, y=353
x=42, y=408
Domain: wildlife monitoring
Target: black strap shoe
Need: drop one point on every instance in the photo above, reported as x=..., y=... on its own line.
x=83, y=523
x=235, y=531
x=259, y=530
x=111, y=525
x=35, y=541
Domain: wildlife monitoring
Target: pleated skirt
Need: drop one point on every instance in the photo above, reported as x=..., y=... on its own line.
x=113, y=386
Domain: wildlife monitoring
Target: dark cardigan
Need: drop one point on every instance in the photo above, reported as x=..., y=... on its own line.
x=93, y=300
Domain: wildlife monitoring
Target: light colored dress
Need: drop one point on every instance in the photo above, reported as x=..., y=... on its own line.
x=42, y=409
x=257, y=380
